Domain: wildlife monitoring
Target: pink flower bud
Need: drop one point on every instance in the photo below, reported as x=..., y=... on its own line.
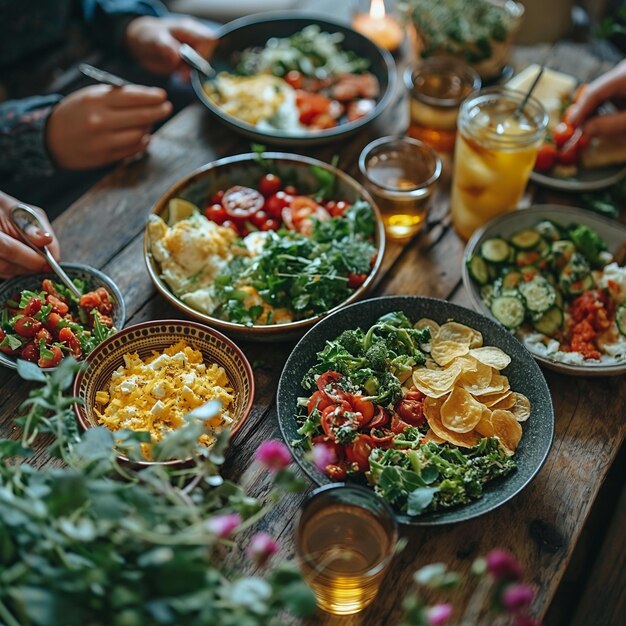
x=517, y=596
x=274, y=455
x=223, y=525
x=502, y=565
x=323, y=455
x=261, y=547
x=439, y=614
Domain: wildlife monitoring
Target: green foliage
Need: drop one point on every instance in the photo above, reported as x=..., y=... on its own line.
x=588, y=243
x=99, y=543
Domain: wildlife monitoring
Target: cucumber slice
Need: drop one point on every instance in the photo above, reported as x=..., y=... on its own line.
x=508, y=310
x=620, y=318
x=526, y=239
x=478, y=269
x=486, y=293
x=550, y=322
x=549, y=230
x=576, y=287
x=511, y=279
x=562, y=251
x=558, y=300
x=539, y=295
x=495, y=250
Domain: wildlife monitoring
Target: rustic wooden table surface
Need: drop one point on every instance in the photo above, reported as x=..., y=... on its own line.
x=541, y=525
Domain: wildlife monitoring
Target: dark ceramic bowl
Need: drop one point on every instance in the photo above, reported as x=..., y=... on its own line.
x=143, y=339
x=254, y=31
x=245, y=169
x=523, y=373
x=93, y=279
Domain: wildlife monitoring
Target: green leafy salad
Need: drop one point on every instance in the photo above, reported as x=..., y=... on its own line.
x=378, y=409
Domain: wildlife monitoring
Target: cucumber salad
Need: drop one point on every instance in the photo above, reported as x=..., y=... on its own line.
x=559, y=289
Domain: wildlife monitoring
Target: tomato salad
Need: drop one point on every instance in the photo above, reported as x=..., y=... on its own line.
x=44, y=326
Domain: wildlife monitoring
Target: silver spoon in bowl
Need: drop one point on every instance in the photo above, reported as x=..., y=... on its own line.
x=24, y=217
x=192, y=58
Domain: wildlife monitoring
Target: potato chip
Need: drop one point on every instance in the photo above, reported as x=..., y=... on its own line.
x=431, y=365
x=504, y=426
x=484, y=426
x=477, y=339
x=460, y=412
x=430, y=324
x=492, y=356
x=436, y=383
x=432, y=409
x=453, y=331
x=430, y=436
x=445, y=352
x=521, y=407
x=476, y=379
x=506, y=402
x=498, y=383
x=491, y=399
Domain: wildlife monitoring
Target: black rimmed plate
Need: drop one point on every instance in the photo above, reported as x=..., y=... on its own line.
x=523, y=373
x=255, y=31
x=93, y=279
x=585, y=179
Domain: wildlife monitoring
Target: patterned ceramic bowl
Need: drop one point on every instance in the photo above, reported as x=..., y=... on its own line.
x=156, y=336
x=93, y=279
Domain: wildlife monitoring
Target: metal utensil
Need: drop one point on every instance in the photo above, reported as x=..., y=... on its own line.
x=522, y=104
x=192, y=58
x=22, y=216
x=101, y=76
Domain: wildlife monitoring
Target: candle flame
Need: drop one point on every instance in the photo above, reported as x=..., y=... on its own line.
x=377, y=9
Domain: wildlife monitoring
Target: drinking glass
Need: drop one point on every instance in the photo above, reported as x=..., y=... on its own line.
x=494, y=155
x=401, y=174
x=345, y=539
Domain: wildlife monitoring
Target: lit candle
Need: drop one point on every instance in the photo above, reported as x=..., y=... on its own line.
x=384, y=30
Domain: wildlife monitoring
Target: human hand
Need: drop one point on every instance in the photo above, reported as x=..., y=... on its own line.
x=609, y=86
x=99, y=125
x=155, y=41
x=15, y=256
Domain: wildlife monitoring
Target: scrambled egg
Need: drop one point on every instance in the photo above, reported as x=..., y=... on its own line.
x=154, y=395
x=264, y=100
x=191, y=253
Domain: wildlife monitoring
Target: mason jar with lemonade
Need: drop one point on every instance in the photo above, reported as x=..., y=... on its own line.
x=495, y=151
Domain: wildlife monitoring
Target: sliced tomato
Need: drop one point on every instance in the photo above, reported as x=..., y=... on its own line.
x=317, y=400
x=410, y=409
x=48, y=286
x=328, y=387
x=51, y=361
x=242, y=203
x=362, y=406
x=334, y=416
x=398, y=425
x=546, y=157
x=380, y=419
x=30, y=352
x=58, y=305
x=270, y=184
x=336, y=472
x=298, y=215
x=43, y=334
x=27, y=326
x=562, y=133
x=382, y=437
x=356, y=280
x=311, y=105
x=53, y=321
x=67, y=337
x=358, y=452
x=33, y=306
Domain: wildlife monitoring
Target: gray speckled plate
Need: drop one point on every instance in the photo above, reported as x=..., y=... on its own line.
x=93, y=279
x=523, y=373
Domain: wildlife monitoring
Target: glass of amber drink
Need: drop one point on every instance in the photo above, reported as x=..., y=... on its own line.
x=345, y=539
x=401, y=174
x=494, y=155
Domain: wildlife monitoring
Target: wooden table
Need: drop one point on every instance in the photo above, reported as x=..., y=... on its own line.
x=541, y=525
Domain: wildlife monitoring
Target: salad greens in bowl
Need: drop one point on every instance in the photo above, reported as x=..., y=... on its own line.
x=264, y=245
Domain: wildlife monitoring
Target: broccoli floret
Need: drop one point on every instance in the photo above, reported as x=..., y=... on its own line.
x=389, y=390
x=352, y=341
x=377, y=355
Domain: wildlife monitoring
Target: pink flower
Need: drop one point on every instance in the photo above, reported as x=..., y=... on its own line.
x=517, y=596
x=502, y=565
x=274, y=455
x=439, y=614
x=223, y=525
x=323, y=455
x=261, y=547
x=525, y=620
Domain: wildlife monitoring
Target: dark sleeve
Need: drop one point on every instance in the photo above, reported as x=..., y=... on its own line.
x=106, y=20
x=22, y=137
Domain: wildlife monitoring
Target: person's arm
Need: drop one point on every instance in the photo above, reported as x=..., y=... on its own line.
x=23, y=151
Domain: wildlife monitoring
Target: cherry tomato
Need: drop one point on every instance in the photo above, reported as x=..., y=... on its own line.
x=216, y=213
x=358, y=452
x=397, y=425
x=270, y=224
x=242, y=203
x=33, y=306
x=317, y=400
x=216, y=198
x=43, y=334
x=311, y=105
x=54, y=360
x=30, y=352
x=89, y=301
x=276, y=203
x=332, y=416
x=232, y=225
x=67, y=336
x=259, y=218
x=336, y=472
x=328, y=387
x=48, y=286
x=270, y=184
x=411, y=408
x=27, y=326
x=380, y=419
x=53, y=321
x=356, y=280
x=362, y=406
x=337, y=209
x=293, y=78
x=58, y=306
x=546, y=157
x=105, y=306
x=562, y=133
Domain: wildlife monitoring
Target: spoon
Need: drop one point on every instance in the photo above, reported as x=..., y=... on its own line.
x=191, y=57
x=22, y=216
x=522, y=104
x=101, y=76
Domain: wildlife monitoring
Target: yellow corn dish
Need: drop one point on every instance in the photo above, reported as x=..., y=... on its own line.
x=155, y=394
